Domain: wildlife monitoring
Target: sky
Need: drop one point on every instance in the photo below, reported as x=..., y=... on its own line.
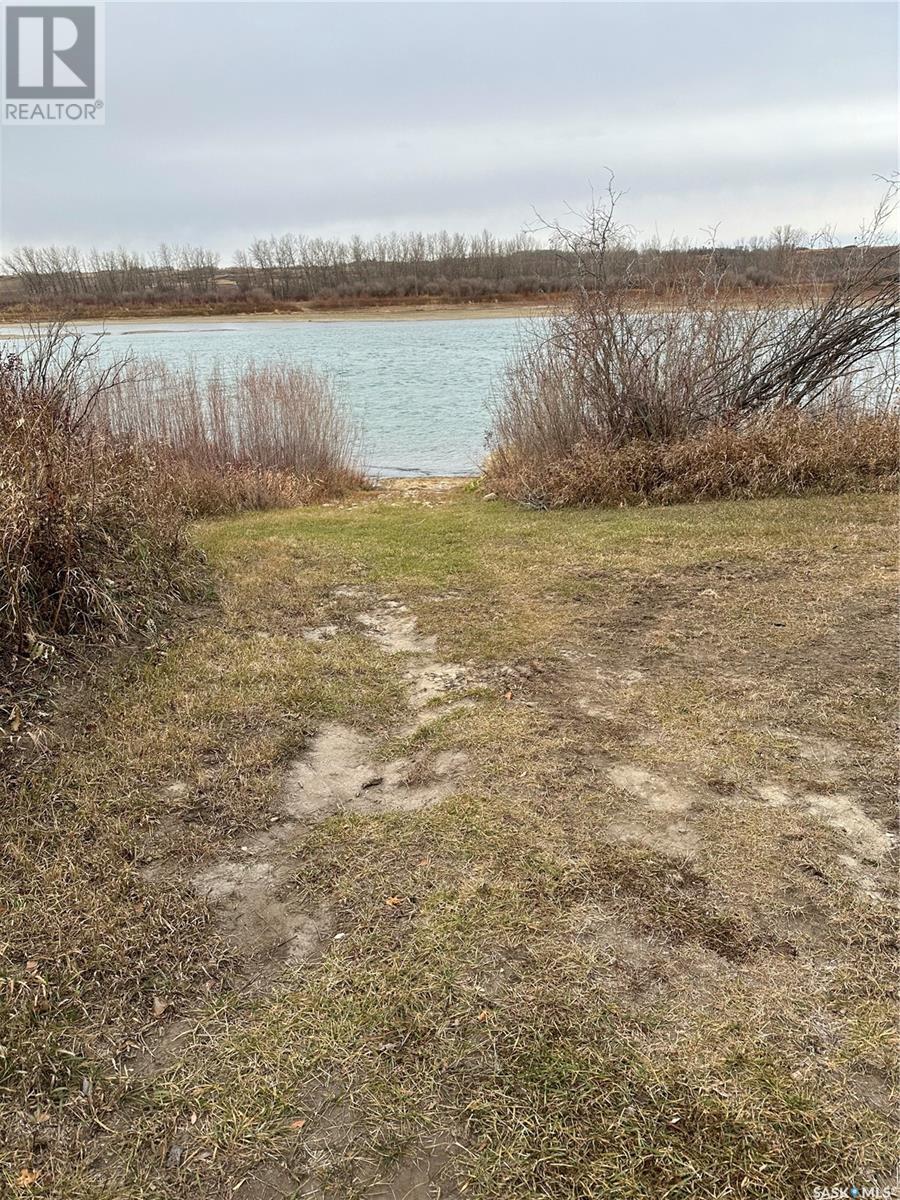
x=226, y=121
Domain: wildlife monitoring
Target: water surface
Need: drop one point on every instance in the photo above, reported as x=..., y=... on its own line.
x=419, y=389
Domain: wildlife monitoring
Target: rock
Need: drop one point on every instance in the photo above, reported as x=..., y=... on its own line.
x=490, y=496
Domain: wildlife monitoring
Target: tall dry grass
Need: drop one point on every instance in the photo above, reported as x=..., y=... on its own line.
x=787, y=454
x=256, y=436
x=101, y=467
x=620, y=396
x=91, y=544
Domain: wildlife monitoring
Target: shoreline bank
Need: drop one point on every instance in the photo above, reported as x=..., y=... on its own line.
x=526, y=308
x=443, y=312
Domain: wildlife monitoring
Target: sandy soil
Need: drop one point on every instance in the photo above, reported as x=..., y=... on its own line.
x=391, y=312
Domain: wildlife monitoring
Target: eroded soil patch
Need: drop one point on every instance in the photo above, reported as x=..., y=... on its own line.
x=340, y=771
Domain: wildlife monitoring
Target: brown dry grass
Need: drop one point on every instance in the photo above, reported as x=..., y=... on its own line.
x=102, y=467
x=92, y=547
x=250, y=437
x=641, y=948
x=784, y=455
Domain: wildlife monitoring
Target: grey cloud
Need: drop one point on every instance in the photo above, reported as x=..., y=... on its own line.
x=226, y=120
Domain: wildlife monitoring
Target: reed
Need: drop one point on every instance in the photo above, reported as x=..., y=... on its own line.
x=254, y=436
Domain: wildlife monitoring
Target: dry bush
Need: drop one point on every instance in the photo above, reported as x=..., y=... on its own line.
x=101, y=467
x=255, y=437
x=782, y=455
x=607, y=378
x=91, y=545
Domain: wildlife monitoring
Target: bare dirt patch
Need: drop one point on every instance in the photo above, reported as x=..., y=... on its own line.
x=393, y=627
x=656, y=793
x=660, y=812
x=339, y=772
x=841, y=811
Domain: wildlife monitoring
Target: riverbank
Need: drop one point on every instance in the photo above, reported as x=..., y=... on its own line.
x=299, y=313
x=418, y=310
x=464, y=850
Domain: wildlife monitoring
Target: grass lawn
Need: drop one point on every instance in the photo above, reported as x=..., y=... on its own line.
x=464, y=851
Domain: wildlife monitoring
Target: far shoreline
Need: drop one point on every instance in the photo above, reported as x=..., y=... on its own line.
x=475, y=310
x=420, y=312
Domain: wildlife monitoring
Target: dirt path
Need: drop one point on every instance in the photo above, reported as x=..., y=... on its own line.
x=339, y=772
x=469, y=852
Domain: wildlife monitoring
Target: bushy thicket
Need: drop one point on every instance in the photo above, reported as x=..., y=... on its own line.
x=91, y=545
x=102, y=467
x=608, y=403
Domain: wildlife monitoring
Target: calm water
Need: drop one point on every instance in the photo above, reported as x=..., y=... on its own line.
x=418, y=389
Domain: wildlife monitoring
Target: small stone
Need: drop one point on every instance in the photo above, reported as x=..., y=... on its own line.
x=490, y=496
x=173, y=1158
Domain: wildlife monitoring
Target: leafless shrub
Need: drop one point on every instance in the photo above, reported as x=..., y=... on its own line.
x=254, y=437
x=605, y=374
x=101, y=467
x=90, y=544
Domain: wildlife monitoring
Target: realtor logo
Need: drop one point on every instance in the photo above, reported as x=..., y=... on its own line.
x=53, y=63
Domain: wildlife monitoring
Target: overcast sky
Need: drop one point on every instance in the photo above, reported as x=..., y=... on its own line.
x=228, y=120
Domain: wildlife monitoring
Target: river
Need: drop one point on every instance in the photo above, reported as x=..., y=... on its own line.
x=418, y=389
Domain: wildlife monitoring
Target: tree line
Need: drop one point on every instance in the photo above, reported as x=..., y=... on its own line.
x=294, y=267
